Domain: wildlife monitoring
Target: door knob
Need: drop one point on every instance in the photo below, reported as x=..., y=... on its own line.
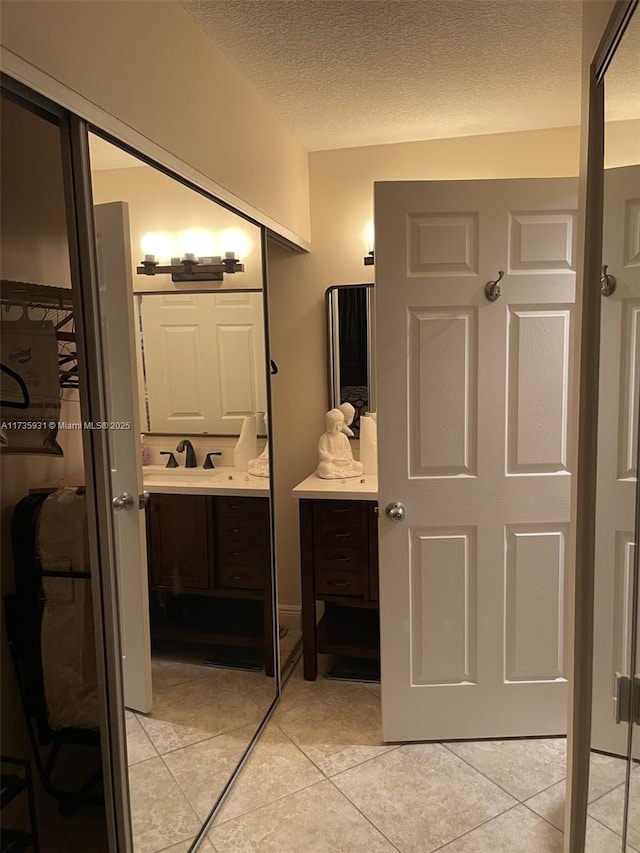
x=123, y=501
x=395, y=511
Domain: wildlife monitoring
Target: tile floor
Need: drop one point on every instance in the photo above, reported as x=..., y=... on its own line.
x=321, y=781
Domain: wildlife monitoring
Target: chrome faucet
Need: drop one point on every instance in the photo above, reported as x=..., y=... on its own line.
x=190, y=461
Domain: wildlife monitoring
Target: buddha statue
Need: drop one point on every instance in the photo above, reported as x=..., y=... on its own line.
x=335, y=459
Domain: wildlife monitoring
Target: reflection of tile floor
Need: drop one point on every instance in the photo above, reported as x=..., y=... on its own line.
x=321, y=781
x=182, y=754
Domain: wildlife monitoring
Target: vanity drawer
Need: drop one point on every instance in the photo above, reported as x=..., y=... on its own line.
x=339, y=533
x=339, y=559
x=237, y=529
x=332, y=511
x=243, y=553
x=340, y=583
x=240, y=576
x=236, y=507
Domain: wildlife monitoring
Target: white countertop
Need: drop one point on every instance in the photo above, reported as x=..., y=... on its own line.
x=364, y=488
x=221, y=480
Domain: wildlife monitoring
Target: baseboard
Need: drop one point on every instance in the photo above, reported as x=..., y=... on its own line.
x=290, y=616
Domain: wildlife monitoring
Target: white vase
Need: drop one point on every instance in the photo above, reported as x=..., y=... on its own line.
x=369, y=444
x=247, y=445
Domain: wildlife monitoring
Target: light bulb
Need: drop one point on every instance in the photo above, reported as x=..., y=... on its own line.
x=197, y=242
x=368, y=235
x=158, y=244
x=233, y=240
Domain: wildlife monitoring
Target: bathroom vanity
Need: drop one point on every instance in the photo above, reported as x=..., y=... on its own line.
x=339, y=565
x=209, y=558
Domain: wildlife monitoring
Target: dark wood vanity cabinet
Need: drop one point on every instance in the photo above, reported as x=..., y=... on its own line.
x=179, y=542
x=339, y=562
x=209, y=559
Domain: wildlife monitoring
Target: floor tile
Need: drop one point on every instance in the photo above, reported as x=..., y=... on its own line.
x=600, y=839
x=316, y=820
x=203, y=769
x=605, y=773
x=198, y=709
x=167, y=736
x=336, y=724
x=184, y=846
x=609, y=811
x=169, y=673
x=275, y=769
x=160, y=813
x=550, y=804
x=521, y=767
x=139, y=747
x=421, y=796
x=515, y=831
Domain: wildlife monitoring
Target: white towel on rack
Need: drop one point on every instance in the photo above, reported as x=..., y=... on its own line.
x=29, y=387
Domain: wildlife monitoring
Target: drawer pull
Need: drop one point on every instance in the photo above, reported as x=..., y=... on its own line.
x=342, y=559
x=342, y=535
x=237, y=554
x=235, y=506
x=236, y=530
x=240, y=577
x=343, y=509
x=338, y=583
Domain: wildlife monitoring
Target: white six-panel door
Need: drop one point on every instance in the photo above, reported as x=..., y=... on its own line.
x=619, y=396
x=473, y=418
x=204, y=360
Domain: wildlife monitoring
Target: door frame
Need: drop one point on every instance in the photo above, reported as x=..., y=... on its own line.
x=591, y=201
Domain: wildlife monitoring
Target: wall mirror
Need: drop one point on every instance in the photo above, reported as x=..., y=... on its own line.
x=351, y=329
x=614, y=792
x=205, y=591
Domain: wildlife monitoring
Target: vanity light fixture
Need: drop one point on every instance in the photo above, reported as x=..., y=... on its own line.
x=191, y=268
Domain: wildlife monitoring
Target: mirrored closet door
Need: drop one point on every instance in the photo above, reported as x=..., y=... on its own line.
x=183, y=323
x=614, y=794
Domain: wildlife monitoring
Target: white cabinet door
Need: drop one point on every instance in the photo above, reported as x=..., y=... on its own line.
x=474, y=406
x=117, y=317
x=204, y=360
x=619, y=395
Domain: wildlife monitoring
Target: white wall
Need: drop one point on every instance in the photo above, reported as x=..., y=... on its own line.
x=146, y=63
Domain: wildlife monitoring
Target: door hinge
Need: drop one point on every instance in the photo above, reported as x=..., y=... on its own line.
x=621, y=700
x=627, y=699
x=635, y=701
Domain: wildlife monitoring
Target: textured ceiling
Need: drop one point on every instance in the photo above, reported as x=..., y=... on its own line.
x=342, y=73
x=622, y=80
